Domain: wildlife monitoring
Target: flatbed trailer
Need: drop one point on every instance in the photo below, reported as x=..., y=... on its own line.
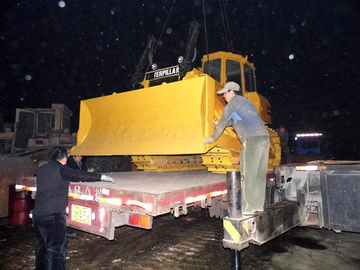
x=317, y=194
x=135, y=198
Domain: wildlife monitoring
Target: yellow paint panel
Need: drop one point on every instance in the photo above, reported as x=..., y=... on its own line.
x=168, y=119
x=245, y=225
x=234, y=234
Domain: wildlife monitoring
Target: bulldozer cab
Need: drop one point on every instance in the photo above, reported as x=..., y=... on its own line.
x=37, y=128
x=225, y=67
x=222, y=67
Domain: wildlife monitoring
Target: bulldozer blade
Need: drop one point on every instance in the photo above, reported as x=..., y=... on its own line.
x=168, y=119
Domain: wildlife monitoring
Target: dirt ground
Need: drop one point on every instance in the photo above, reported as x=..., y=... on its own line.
x=190, y=242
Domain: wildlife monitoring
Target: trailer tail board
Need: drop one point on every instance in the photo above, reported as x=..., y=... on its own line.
x=101, y=219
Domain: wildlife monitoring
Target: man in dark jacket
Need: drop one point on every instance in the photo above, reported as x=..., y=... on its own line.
x=284, y=138
x=76, y=163
x=51, y=199
x=241, y=114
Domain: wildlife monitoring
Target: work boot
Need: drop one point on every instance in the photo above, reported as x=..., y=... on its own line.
x=70, y=233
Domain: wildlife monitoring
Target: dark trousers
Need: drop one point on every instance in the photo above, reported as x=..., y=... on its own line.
x=51, y=235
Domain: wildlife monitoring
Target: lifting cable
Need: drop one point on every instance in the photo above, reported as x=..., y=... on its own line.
x=161, y=33
x=165, y=24
x=223, y=21
x=226, y=25
x=206, y=39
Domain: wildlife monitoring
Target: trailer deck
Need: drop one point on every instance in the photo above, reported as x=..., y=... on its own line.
x=161, y=190
x=159, y=183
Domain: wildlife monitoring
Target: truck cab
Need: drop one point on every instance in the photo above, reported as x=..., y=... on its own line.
x=308, y=147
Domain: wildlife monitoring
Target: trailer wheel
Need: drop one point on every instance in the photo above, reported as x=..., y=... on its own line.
x=218, y=209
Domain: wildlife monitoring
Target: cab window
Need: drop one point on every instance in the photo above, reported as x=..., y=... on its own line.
x=66, y=122
x=46, y=123
x=213, y=69
x=233, y=71
x=250, y=84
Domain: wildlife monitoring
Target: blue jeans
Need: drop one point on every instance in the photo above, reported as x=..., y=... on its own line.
x=52, y=243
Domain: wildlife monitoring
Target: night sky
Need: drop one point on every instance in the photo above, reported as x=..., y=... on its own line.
x=306, y=54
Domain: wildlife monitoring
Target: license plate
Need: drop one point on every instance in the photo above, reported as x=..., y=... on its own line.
x=81, y=214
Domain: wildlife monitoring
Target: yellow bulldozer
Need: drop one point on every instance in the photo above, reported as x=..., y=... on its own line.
x=162, y=126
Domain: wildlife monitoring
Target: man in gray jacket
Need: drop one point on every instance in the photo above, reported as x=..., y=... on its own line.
x=241, y=114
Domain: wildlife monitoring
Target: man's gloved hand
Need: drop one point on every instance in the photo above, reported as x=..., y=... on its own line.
x=106, y=178
x=209, y=140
